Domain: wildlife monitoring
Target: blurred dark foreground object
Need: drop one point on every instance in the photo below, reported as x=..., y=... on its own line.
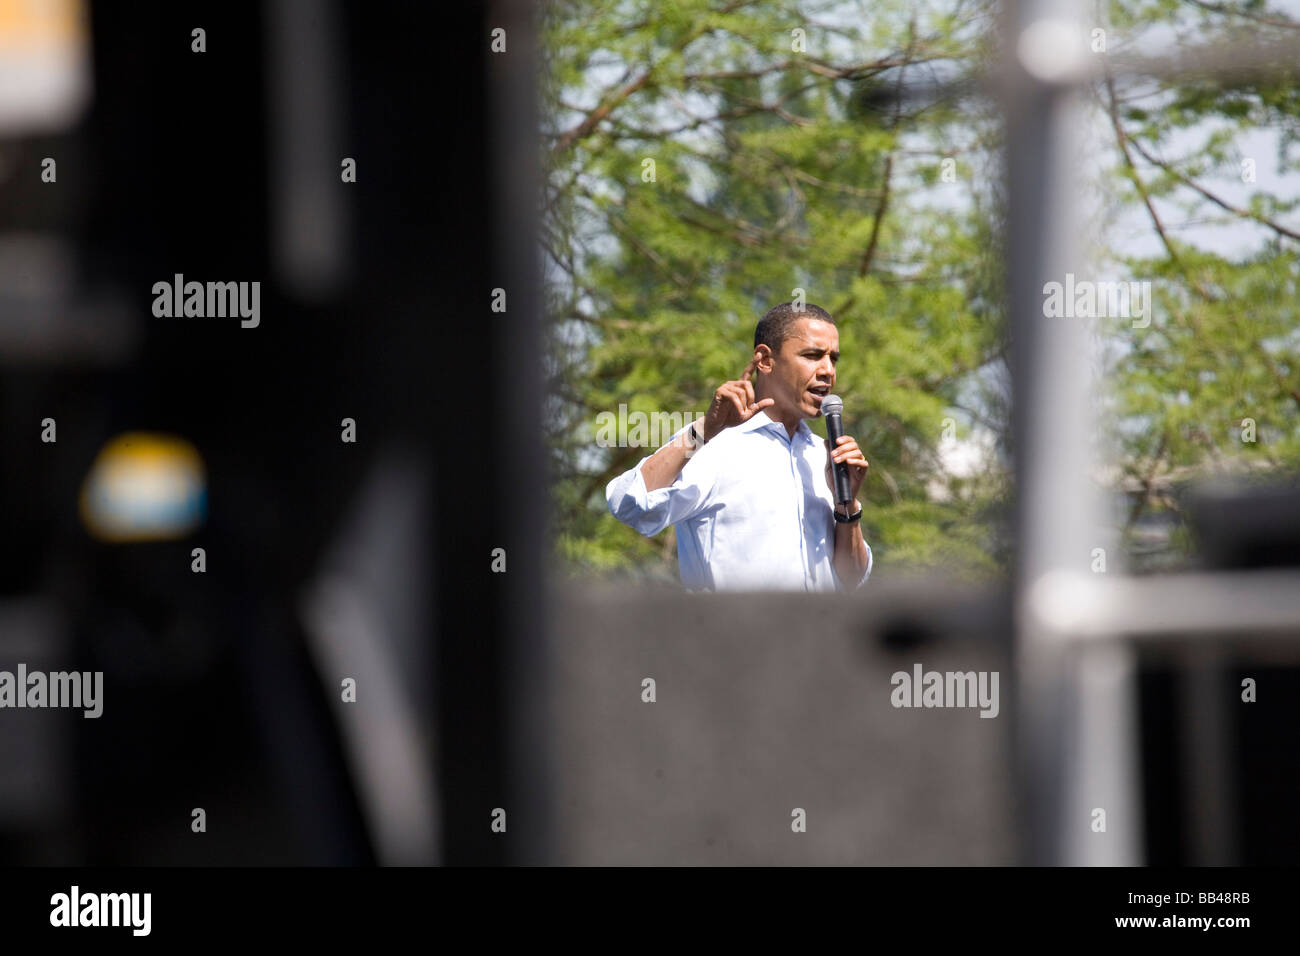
x=1246, y=524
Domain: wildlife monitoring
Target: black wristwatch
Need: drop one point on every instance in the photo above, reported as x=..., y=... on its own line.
x=850, y=519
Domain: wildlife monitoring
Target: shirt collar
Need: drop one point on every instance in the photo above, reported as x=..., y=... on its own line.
x=763, y=420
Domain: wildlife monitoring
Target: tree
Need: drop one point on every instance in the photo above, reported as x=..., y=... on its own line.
x=1213, y=384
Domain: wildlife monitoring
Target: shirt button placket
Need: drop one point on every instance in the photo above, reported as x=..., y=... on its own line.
x=799, y=513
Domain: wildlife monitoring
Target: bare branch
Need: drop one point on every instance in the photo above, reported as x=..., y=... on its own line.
x=1228, y=12
x=1227, y=207
x=1286, y=387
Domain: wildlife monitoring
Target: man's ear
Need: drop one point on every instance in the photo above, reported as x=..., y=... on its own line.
x=763, y=358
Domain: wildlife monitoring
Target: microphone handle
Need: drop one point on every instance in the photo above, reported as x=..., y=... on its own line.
x=834, y=429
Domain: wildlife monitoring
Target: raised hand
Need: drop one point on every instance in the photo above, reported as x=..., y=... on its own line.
x=734, y=404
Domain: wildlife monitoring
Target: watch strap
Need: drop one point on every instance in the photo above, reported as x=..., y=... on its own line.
x=847, y=520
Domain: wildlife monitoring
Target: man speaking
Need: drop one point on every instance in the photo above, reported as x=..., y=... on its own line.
x=750, y=487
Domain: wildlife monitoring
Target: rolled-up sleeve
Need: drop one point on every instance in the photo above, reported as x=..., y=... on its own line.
x=865, y=574
x=649, y=512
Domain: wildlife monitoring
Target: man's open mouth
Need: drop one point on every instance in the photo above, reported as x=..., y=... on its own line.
x=819, y=392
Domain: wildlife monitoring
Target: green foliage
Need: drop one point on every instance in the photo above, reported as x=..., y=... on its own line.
x=1223, y=344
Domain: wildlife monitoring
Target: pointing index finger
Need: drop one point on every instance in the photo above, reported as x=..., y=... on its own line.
x=749, y=370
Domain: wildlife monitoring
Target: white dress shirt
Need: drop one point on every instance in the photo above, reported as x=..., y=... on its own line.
x=751, y=507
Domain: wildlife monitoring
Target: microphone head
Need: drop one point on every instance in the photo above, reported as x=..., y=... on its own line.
x=832, y=405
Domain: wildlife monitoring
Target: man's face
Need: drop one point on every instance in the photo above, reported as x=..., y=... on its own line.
x=804, y=371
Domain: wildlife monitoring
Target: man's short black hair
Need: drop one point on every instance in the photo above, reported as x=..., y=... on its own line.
x=774, y=328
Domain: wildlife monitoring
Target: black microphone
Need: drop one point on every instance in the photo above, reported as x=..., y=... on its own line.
x=833, y=409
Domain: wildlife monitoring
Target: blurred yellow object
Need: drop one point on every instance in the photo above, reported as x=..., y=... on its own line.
x=27, y=24
x=45, y=65
x=144, y=487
